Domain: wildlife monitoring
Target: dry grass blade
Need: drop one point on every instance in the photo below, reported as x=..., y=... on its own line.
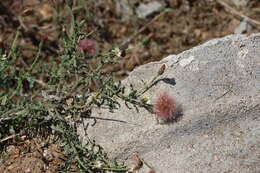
x=253, y=22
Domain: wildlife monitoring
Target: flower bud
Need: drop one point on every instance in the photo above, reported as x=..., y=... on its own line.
x=161, y=70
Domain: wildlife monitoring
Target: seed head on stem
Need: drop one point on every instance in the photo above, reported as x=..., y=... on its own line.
x=166, y=108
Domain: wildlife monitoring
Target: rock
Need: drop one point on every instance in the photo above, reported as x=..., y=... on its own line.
x=241, y=3
x=243, y=27
x=217, y=84
x=144, y=10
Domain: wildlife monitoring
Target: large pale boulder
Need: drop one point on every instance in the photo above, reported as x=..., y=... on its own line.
x=218, y=86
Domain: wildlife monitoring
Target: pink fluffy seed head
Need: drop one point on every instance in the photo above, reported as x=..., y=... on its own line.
x=88, y=46
x=165, y=107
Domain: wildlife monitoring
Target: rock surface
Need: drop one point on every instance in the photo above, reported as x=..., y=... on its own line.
x=218, y=86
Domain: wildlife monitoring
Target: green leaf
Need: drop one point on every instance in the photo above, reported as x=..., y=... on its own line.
x=4, y=100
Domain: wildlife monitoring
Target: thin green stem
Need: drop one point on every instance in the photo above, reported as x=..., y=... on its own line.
x=37, y=56
x=13, y=47
x=116, y=169
x=146, y=87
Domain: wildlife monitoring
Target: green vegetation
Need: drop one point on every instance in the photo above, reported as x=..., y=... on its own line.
x=47, y=99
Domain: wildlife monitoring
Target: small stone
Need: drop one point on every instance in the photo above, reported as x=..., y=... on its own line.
x=216, y=158
x=144, y=10
x=243, y=27
x=241, y=3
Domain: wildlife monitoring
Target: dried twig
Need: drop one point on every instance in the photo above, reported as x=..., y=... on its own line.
x=125, y=43
x=253, y=22
x=9, y=137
